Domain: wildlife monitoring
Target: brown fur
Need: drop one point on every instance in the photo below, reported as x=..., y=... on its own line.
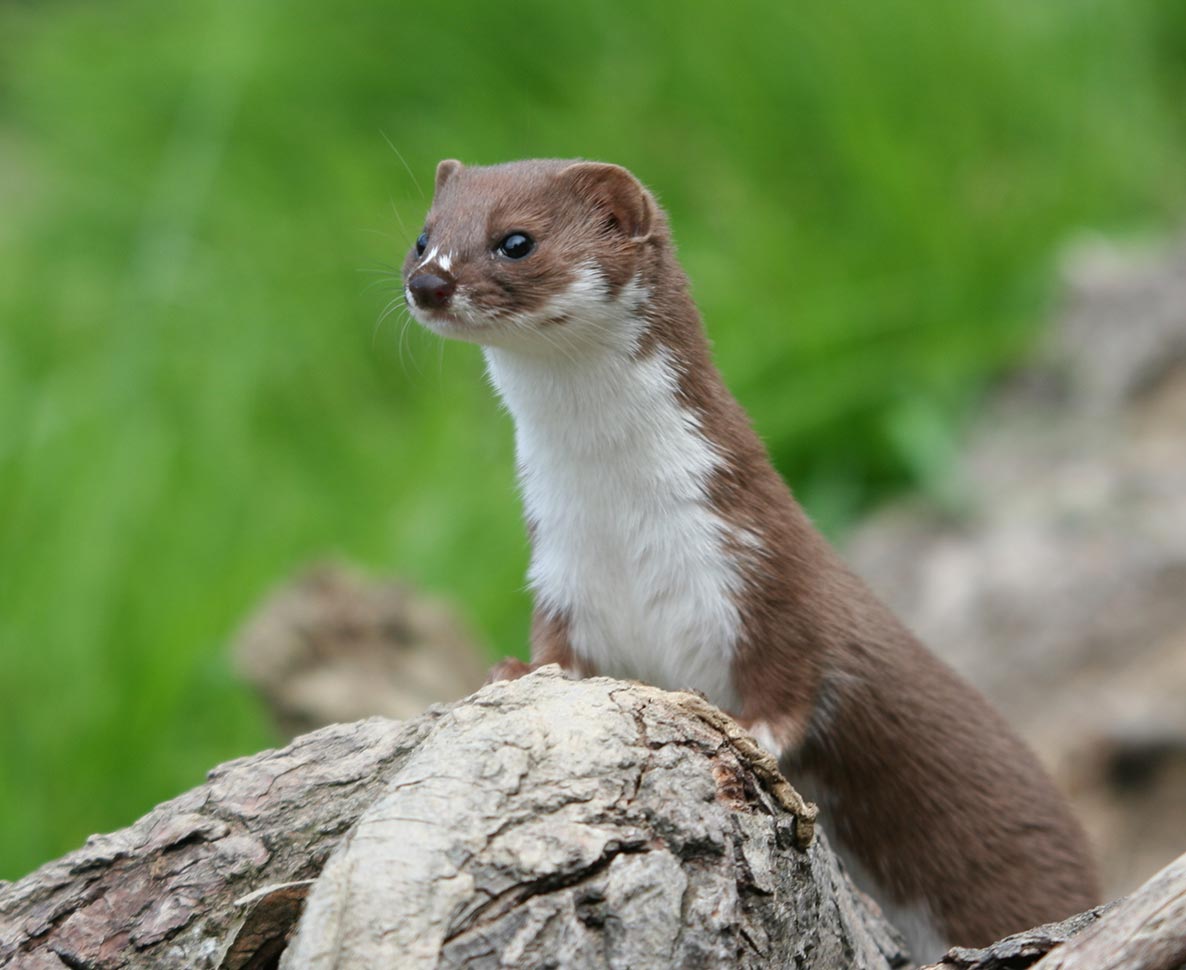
x=582, y=210
x=921, y=780
x=925, y=783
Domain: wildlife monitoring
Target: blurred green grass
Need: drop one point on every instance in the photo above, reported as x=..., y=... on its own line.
x=195, y=399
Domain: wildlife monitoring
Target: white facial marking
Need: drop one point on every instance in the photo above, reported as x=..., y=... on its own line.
x=586, y=297
x=614, y=474
x=427, y=258
x=445, y=262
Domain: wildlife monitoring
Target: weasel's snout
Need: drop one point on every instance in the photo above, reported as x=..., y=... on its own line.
x=430, y=291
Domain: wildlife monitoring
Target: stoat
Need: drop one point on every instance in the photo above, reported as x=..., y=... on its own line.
x=666, y=548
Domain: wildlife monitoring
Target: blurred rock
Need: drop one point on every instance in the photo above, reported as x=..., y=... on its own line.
x=333, y=645
x=1061, y=590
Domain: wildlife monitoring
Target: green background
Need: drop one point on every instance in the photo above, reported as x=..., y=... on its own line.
x=195, y=397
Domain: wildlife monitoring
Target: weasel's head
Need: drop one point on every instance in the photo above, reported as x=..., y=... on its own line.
x=533, y=254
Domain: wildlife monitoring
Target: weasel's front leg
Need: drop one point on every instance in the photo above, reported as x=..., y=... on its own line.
x=777, y=700
x=549, y=645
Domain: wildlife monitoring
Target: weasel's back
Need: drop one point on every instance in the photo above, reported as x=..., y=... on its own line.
x=948, y=816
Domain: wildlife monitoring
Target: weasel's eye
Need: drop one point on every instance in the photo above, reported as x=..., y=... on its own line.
x=516, y=246
x=421, y=244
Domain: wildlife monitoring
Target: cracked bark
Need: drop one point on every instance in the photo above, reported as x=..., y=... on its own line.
x=1143, y=931
x=587, y=824
x=539, y=823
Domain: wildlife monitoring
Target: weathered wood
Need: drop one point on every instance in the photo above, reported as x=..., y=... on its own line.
x=590, y=824
x=1144, y=931
x=540, y=823
x=1021, y=950
x=163, y=892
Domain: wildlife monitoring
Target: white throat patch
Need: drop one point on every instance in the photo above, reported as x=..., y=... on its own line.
x=614, y=476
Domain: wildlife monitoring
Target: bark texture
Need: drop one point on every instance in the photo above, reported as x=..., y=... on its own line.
x=539, y=823
x=1144, y=931
x=1021, y=950
x=181, y=886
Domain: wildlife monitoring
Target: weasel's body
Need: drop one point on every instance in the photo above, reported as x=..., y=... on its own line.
x=625, y=549
x=666, y=548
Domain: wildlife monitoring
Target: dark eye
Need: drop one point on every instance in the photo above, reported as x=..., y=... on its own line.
x=516, y=246
x=421, y=244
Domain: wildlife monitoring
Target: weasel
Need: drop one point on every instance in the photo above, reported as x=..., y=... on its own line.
x=665, y=548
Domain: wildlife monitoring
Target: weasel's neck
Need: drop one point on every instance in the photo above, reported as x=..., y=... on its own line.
x=627, y=548
x=604, y=406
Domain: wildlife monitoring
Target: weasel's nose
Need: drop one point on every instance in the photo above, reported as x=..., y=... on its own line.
x=431, y=292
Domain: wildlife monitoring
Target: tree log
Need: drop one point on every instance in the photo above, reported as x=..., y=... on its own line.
x=1144, y=931
x=164, y=892
x=1021, y=950
x=539, y=823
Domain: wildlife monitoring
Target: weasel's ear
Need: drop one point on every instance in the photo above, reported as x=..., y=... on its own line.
x=628, y=206
x=446, y=170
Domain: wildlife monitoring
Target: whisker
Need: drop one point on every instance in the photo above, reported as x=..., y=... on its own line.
x=398, y=240
x=407, y=167
x=378, y=266
x=406, y=339
x=375, y=329
x=387, y=274
x=396, y=304
x=398, y=218
x=384, y=283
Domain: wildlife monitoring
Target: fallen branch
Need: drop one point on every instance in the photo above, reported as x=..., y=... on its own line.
x=1144, y=931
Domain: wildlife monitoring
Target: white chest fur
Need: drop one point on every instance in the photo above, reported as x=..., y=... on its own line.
x=626, y=546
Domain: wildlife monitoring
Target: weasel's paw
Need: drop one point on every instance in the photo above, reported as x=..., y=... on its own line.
x=508, y=669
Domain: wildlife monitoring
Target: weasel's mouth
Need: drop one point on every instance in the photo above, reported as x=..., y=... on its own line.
x=439, y=321
x=456, y=318
x=446, y=321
